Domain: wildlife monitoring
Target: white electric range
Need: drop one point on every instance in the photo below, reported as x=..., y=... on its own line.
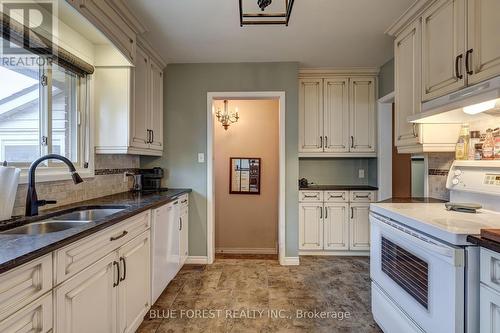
x=425, y=275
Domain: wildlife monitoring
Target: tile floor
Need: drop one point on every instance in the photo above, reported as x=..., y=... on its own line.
x=338, y=286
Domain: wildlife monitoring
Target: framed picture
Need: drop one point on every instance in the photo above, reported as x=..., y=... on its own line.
x=244, y=175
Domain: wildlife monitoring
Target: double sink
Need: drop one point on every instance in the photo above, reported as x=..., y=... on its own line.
x=76, y=217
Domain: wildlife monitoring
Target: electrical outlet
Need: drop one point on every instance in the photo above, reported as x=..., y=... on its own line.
x=125, y=177
x=201, y=158
x=361, y=173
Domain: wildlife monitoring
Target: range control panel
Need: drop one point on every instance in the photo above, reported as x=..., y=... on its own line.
x=492, y=179
x=468, y=176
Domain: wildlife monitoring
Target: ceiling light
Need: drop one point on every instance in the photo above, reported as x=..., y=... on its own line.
x=253, y=12
x=480, y=107
x=225, y=117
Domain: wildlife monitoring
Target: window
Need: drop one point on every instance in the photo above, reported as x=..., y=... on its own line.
x=42, y=111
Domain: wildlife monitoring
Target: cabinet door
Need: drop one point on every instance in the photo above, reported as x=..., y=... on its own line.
x=184, y=237
x=310, y=226
x=443, y=48
x=362, y=115
x=140, y=118
x=336, y=115
x=483, y=31
x=336, y=226
x=359, y=227
x=36, y=317
x=134, y=290
x=156, y=107
x=407, y=84
x=173, y=241
x=87, y=302
x=310, y=115
x=489, y=310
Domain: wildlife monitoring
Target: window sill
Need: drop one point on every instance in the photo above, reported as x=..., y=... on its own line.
x=54, y=174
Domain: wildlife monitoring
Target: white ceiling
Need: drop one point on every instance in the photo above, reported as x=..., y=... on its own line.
x=322, y=33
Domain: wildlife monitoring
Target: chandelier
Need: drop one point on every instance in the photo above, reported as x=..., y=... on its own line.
x=226, y=118
x=256, y=12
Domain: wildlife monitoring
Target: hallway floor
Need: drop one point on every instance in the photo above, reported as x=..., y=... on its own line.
x=230, y=293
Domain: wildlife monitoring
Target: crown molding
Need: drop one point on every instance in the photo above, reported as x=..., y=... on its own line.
x=143, y=43
x=126, y=13
x=336, y=71
x=408, y=16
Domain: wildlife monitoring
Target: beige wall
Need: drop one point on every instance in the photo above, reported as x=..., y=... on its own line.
x=248, y=221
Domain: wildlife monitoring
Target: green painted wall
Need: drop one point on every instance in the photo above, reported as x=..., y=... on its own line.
x=338, y=171
x=185, y=130
x=386, y=78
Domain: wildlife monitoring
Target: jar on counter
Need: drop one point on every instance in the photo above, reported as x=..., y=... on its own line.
x=478, y=151
x=475, y=138
x=489, y=145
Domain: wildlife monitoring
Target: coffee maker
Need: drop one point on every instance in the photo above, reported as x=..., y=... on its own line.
x=148, y=180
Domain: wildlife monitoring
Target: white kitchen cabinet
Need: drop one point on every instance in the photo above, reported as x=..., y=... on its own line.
x=407, y=62
x=129, y=105
x=443, y=48
x=362, y=115
x=483, y=29
x=336, y=226
x=311, y=115
x=184, y=229
x=359, y=227
x=310, y=226
x=88, y=301
x=489, y=310
x=336, y=115
x=134, y=290
x=36, y=317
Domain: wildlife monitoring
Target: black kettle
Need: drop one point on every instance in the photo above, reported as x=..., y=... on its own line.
x=303, y=183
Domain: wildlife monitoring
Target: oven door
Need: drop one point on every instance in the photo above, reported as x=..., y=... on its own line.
x=422, y=276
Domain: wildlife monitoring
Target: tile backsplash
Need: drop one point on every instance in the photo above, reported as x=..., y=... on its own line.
x=439, y=164
x=109, y=180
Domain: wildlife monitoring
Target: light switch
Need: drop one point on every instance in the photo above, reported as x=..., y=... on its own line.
x=201, y=158
x=361, y=173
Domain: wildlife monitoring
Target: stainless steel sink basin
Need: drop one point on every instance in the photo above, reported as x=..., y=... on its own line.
x=43, y=227
x=72, y=219
x=88, y=215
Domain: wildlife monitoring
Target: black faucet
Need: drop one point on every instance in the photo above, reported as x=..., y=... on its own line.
x=32, y=202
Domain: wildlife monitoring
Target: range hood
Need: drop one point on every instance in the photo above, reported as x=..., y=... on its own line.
x=449, y=109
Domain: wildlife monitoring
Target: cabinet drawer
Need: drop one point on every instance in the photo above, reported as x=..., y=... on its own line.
x=310, y=196
x=184, y=200
x=24, y=284
x=79, y=255
x=490, y=269
x=36, y=317
x=363, y=196
x=336, y=196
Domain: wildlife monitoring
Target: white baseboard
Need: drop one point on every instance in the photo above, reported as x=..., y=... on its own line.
x=197, y=260
x=336, y=253
x=243, y=250
x=290, y=261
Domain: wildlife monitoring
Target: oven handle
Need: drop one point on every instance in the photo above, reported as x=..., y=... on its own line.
x=455, y=256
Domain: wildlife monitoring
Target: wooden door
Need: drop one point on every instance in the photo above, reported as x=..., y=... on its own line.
x=483, y=41
x=362, y=115
x=359, y=227
x=140, y=117
x=443, y=48
x=134, y=290
x=156, y=107
x=311, y=226
x=407, y=58
x=336, y=226
x=184, y=237
x=88, y=301
x=310, y=115
x=336, y=115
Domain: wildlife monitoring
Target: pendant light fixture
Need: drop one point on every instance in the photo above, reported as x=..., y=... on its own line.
x=225, y=117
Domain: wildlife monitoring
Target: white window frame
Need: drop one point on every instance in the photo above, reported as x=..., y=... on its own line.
x=47, y=171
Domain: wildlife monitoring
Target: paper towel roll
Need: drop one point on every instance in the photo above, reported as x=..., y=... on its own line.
x=9, y=180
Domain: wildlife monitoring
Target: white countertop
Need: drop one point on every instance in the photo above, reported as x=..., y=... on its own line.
x=433, y=219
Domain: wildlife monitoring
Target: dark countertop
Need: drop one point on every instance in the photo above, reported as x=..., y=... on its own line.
x=412, y=200
x=339, y=188
x=484, y=242
x=17, y=249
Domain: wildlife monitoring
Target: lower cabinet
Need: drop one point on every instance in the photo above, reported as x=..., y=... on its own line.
x=489, y=310
x=112, y=295
x=36, y=317
x=335, y=222
x=184, y=229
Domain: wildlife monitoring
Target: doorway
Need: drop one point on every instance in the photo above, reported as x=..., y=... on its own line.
x=246, y=162
x=212, y=100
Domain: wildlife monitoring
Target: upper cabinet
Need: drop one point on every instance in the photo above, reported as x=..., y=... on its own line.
x=337, y=116
x=129, y=104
